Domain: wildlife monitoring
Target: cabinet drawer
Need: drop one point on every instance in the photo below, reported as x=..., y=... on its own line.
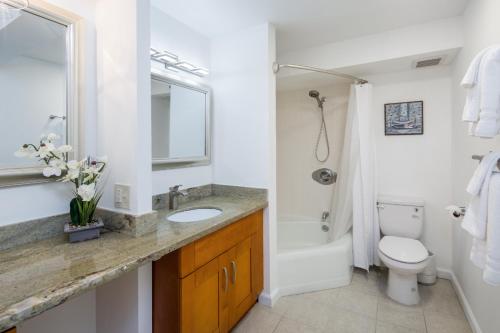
x=209, y=247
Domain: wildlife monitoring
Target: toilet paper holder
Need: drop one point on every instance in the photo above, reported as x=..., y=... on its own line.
x=456, y=212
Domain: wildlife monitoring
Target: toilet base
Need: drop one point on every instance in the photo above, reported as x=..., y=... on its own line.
x=403, y=288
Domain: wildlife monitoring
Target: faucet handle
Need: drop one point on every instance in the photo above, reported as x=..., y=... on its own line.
x=174, y=188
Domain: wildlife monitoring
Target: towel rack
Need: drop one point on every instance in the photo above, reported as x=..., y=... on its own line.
x=480, y=157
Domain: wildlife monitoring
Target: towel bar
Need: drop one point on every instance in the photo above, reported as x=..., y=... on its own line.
x=480, y=157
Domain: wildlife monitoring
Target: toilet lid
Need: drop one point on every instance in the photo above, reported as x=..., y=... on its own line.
x=403, y=249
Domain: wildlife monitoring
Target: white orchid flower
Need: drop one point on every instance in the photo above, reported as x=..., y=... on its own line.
x=45, y=150
x=73, y=167
x=73, y=173
x=73, y=164
x=64, y=149
x=52, y=137
x=86, y=192
x=54, y=168
x=93, y=169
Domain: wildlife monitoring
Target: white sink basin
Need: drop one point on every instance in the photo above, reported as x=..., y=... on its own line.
x=194, y=215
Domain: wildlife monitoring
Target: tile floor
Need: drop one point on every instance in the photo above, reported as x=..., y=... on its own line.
x=361, y=307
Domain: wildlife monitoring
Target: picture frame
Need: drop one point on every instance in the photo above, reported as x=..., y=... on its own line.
x=404, y=118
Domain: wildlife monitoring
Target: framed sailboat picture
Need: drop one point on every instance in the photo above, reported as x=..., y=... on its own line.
x=405, y=118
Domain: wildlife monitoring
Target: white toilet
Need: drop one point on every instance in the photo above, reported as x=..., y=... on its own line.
x=401, y=223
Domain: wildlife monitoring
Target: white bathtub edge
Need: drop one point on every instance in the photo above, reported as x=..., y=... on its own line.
x=316, y=286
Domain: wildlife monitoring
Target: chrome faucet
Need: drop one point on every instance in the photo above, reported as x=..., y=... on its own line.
x=325, y=216
x=173, y=195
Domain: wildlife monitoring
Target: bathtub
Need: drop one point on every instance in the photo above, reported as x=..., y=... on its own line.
x=307, y=261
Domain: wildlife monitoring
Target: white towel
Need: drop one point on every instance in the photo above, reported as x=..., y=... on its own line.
x=472, y=75
x=485, y=254
x=482, y=104
x=476, y=216
x=489, y=82
x=470, y=82
x=491, y=272
x=471, y=107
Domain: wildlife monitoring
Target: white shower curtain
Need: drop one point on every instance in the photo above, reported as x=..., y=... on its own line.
x=354, y=203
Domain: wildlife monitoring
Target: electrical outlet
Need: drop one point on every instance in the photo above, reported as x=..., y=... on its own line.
x=122, y=196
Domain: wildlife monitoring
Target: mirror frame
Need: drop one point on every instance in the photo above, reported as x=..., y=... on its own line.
x=170, y=163
x=27, y=175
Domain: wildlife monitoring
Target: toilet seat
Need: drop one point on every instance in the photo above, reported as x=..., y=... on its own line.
x=404, y=250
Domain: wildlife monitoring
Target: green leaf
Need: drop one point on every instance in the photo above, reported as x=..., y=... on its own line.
x=74, y=212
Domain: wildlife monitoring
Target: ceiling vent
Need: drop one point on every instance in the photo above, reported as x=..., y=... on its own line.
x=428, y=62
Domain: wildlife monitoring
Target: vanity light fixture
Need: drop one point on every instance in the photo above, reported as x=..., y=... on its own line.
x=201, y=71
x=186, y=65
x=153, y=52
x=172, y=63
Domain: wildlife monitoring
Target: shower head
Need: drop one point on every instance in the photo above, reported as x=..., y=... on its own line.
x=315, y=94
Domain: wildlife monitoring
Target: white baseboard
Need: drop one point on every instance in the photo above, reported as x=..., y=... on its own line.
x=269, y=299
x=449, y=275
x=443, y=273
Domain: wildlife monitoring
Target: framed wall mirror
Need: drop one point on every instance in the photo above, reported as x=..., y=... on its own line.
x=180, y=118
x=38, y=84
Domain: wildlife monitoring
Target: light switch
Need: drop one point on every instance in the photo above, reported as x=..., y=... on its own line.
x=122, y=196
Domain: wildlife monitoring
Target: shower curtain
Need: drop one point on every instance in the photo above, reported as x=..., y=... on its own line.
x=354, y=203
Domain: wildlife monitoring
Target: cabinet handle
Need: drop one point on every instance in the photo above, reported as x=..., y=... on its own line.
x=225, y=278
x=233, y=266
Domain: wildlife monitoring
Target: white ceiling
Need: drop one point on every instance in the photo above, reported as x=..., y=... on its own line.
x=374, y=72
x=306, y=23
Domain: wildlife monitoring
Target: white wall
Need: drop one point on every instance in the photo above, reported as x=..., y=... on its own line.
x=125, y=305
x=240, y=74
x=419, y=165
x=482, y=28
x=52, y=199
x=171, y=35
x=77, y=315
x=244, y=148
x=124, y=97
x=298, y=125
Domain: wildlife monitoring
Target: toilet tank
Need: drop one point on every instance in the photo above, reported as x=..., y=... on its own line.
x=401, y=216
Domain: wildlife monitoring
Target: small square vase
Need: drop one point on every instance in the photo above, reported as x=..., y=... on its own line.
x=84, y=233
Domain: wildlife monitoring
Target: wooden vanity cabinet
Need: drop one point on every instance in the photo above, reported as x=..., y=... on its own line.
x=207, y=286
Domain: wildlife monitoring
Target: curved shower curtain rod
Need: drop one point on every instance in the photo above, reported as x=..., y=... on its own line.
x=277, y=67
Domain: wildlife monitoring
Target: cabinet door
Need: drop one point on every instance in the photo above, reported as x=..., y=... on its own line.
x=225, y=290
x=200, y=300
x=241, y=280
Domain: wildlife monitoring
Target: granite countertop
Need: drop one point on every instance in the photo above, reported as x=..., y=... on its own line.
x=40, y=275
